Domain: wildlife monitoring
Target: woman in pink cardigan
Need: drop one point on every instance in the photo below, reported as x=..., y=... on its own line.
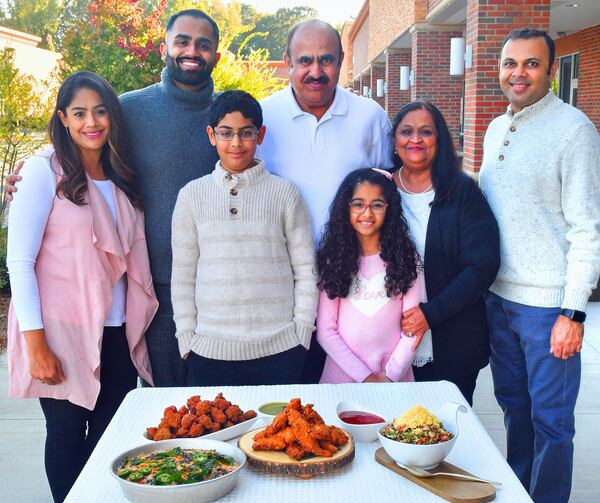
x=368, y=276
x=82, y=293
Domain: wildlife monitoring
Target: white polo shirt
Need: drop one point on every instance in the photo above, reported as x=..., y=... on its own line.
x=316, y=155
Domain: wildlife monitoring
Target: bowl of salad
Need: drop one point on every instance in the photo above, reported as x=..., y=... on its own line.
x=420, y=438
x=178, y=470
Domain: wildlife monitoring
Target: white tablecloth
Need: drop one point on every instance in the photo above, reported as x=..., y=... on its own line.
x=364, y=480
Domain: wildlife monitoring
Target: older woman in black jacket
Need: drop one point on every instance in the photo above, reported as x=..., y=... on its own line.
x=457, y=237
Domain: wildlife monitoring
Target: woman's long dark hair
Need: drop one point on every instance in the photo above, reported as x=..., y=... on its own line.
x=445, y=166
x=339, y=251
x=73, y=185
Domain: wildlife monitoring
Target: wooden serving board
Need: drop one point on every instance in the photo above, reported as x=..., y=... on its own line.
x=448, y=488
x=279, y=462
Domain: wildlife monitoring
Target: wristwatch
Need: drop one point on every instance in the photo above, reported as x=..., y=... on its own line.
x=572, y=314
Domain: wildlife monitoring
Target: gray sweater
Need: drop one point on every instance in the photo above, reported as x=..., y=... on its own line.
x=541, y=176
x=168, y=147
x=243, y=284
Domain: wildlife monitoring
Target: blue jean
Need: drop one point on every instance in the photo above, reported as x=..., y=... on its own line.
x=537, y=393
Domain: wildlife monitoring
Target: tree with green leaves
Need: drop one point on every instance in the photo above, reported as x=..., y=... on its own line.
x=25, y=108
x=37, y=17
x=120, y=39
x=272, y=30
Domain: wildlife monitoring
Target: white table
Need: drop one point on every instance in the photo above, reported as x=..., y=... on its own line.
x=364, y=480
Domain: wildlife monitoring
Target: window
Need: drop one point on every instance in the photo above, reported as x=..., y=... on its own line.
x=568, y=78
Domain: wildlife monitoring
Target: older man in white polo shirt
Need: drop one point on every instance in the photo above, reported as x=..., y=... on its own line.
x=317, y=131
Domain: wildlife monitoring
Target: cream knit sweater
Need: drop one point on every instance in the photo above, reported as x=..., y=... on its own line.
x=243, y=284
x=541, y=175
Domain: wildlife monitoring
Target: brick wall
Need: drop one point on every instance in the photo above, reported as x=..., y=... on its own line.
x=487, y=24
x=377, y=72
x=588, y=93
x=395, y=99
x=432, y=80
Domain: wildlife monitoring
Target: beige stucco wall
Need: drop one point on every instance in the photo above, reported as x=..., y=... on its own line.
x=29, y=59
x=360, y=49
x=389, y=19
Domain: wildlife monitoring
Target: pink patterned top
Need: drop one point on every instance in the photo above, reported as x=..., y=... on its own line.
x=361, y=333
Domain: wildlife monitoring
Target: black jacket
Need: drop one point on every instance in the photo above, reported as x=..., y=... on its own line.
x=462, y=257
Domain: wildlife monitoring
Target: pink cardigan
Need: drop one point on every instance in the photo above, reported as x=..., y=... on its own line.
x=82, y=256
x=361, y=333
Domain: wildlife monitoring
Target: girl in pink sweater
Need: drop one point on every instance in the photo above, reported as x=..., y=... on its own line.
x=367, y=276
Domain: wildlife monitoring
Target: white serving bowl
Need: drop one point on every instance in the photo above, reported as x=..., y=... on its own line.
x=425, y=456
x=360, y=432
x=224, y=433
x=199, y=492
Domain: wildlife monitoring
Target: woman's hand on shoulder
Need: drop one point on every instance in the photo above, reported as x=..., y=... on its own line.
x=44, y=366
x=11, y=180
x=380, y=377
x=414, y=324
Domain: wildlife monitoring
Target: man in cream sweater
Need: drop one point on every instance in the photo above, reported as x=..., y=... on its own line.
x=540, y=174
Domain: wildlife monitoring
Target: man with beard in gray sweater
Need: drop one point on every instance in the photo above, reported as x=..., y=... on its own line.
x=168, y=146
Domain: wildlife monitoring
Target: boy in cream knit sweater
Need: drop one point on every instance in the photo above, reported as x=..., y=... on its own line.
x=243, y=285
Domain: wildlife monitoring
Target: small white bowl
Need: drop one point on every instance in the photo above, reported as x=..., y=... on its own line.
x=199, y=492
x=425, y=456
x=360, y=432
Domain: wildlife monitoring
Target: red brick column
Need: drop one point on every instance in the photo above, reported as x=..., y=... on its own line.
x=487, y=24
x=395, y=99
x=432, y=80
x=588, y=90
x=377, y=72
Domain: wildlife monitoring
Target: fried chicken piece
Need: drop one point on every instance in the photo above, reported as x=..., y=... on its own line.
x=203, y=407
x=321, y=432
x=328, y=446
x=182, y=432
x=218, y=415
x=312, y=416
x=187, y=421
x=195, y=430
x=228, y=424
x=150, y=432
x=294, y=404
x=192, y=401
x=221, y=402
x=214, y=427
x=338, y=437
x=183, y=410
x=301, y=430
x=205, y=422
x=169, y=410
x=295, y=451
x=163, y=434
x=234, y=413
x=278, y=423
x=249, y=414
x=174, y=420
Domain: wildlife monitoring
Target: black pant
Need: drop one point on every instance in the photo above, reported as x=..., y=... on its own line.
x=465, y=383
x=73, y=431
x=282, y=368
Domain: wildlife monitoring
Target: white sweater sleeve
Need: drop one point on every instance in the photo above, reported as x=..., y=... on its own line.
x=27, y=219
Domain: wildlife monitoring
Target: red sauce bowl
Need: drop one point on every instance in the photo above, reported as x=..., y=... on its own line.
x=361, y=422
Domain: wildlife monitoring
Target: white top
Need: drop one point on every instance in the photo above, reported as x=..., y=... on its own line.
x=363, y=480
x=316, y=155
x=27, y=220
x=416, y=209
x=541, y=176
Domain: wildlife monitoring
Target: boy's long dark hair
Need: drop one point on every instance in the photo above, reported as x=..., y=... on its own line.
x=339, y=250
x=73, y=185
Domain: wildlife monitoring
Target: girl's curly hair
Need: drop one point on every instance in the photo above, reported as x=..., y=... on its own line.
x=339, y=251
